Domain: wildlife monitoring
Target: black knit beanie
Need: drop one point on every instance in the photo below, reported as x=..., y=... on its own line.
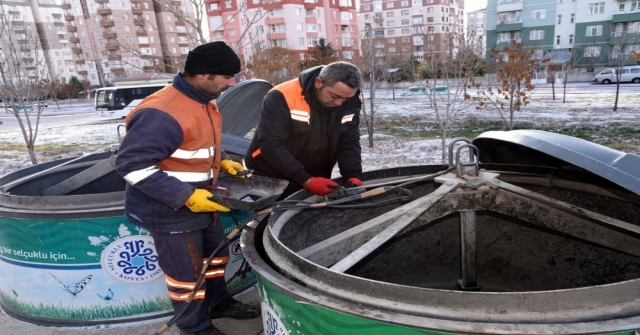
x=212, y=58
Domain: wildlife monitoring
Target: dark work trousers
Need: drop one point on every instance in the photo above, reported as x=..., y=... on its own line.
x=181, y=257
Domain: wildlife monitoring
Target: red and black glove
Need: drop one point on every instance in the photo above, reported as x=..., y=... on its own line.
x=353, y=182
x=321, y=186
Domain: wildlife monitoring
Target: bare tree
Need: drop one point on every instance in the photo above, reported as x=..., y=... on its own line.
x=624, y=44
x=514, y=68
x=23, y=74
x=371, y=63
x=446, y=74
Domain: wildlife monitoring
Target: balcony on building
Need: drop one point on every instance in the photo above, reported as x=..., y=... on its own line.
x=113, y=57
x=66, y=5
x=76, y=50
x=74, y=40
x=104, y=11
x=72, y=29
x=104, y=1
x=627, y=17
x=625, y=37
x=58, y=24
x=141, y=32
x=117, y=70
x=509, y=5
x=112, y=47
x=63, y=40
x=80, y=62
x=106, y=23
x=274, y=20
x=310, y=4
x=509, y=24
x=137, y=10
x=23, y=40
x=279, y=35
x=176, y=3
x=109, y=34
x=21, y=31
x=17, y=22
x=82, y=73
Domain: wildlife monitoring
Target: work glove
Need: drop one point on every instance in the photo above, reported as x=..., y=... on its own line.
x=321, y=186
x=200, y=202
x=231, y=167
x=353, y=182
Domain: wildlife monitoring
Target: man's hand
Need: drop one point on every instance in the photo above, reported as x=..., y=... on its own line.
x=199, y=202
x=353, y=182
x=320, y=186
x=231, y=167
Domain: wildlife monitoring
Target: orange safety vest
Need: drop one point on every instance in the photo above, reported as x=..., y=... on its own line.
x=198, y=157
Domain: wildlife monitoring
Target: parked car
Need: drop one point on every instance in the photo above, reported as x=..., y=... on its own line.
x=629, y=74
x=36, y=104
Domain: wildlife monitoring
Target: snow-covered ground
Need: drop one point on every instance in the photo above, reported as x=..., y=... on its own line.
x=587, y=105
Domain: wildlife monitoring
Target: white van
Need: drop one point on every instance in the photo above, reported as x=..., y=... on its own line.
x=629, y=74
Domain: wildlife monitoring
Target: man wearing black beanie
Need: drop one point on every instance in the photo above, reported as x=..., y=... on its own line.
x=172, y=151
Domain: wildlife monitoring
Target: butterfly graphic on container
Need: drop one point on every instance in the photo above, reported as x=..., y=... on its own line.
x=73, y=288
x=108, y=297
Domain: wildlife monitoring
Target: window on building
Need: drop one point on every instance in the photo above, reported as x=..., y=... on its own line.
x=392, y=49
x=404, y=12
x=300, y=41
x=595, y=30
x=559, y=18
x=538, y=14
x=536, y=34
x=405, y=22
x=592, y=51
x=389, y=14
x=227, y=4
x=391, y=32
x=389, y=5
x=596, y=8
x=302, y=56
x=573, y=18
x=404, y=3
x=504, y=37
x=230, y=18
x=621, y=7
x=557, y=39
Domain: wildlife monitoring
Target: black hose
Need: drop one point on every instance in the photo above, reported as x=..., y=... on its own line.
x=280, y=206
x=222, y=244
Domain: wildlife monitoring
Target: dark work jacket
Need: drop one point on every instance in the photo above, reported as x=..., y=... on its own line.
x=160, y=130
x=290, y=144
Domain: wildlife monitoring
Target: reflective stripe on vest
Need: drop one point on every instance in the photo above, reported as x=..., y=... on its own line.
x=347, y=118
x=189, y=154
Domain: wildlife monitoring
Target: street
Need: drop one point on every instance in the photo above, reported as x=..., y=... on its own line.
x=78, y=113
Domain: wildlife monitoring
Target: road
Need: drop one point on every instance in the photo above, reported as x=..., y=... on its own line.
x=76, y=114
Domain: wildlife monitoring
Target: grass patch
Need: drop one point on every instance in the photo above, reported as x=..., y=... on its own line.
x=616, y=135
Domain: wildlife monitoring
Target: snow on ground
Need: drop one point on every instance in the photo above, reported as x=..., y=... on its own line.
x=587, y=106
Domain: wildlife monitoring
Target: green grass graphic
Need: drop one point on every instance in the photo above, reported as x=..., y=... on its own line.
x=114, y=309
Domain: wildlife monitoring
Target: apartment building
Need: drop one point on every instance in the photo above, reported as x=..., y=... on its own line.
x=296, y=25
x=596, y=32
x=398, y=28
x=99, y=41
x=477, y=30
x=112, y=39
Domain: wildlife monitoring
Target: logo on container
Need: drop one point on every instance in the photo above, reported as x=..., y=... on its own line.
x=132, y=260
